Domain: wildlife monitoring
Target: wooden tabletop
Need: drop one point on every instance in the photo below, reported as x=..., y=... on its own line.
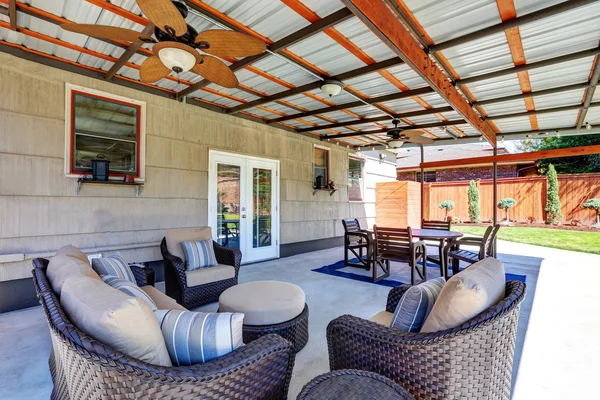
x=436, y=234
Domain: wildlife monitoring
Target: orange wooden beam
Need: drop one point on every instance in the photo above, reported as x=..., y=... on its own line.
x=516, y=157
x=12, y=14
x=380, y=19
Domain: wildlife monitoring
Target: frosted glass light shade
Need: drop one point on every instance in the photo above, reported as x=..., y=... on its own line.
x=174, y=58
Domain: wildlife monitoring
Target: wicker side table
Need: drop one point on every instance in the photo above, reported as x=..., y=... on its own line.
x=352, y=384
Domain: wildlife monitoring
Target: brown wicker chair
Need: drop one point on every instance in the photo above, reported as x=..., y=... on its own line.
x=453, y=251
x=396, y=244
x=83, y=368
x=194, y=296
x=471, y=361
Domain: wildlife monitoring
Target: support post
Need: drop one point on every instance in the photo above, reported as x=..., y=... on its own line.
x=422, y=185
x=495, y=177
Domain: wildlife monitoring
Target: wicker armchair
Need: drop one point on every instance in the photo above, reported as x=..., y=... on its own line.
x=83, y=368
x=472, y=361
x=194, y=296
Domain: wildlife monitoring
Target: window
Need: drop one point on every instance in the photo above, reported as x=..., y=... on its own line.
x=429, y=176
x=104, y=125
x=321, y=168
x=355, y=179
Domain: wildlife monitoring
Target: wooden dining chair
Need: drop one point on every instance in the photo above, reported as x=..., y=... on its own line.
x=396, y=244
x=357, y=242
x=431, y=224
x=439, y=245
x=485, y=248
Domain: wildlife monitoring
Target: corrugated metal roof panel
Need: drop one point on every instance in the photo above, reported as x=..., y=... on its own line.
x=282, y=69
x=358, y=33
x=559, y=99
x=494, y=88
x=565, y=33
x=515, y=124
x=506, y=107
x=327, y=54
x=272, y=19
x=403, y=105
x=445, y=20
x=323, y=8
x=557, y=120
x=373, y=85
x=562, y=74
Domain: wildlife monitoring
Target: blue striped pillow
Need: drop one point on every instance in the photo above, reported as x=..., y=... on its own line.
x=129, y=288
x=416, y=304
x=200, y=254
x=197, y=337
x=113, y=265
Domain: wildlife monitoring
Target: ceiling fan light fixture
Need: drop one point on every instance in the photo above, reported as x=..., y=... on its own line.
x=177, y=60
x=395, y=144
x=331, y=87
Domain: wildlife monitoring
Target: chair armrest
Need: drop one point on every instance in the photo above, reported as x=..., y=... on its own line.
x=228, y=256
x=394, y=297
x=144, y=276
x=175, y=262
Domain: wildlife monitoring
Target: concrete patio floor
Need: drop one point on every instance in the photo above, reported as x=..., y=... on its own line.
x=557, y=346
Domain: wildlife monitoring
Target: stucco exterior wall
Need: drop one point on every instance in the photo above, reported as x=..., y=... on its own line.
x=39, y=208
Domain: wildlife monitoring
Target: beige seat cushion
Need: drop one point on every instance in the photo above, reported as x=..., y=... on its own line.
x=174, y=237
x=383, y=318
x=467, y=294
x=116, y=319
x=72, y=251
x=264, y=302
x=62, y=267
x=162, y=301
x=202, y=276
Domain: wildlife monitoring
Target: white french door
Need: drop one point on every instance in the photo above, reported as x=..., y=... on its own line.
x=243, y=204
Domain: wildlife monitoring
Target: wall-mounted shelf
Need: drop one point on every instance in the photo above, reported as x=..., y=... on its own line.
x=331, y=191
x=138, y=185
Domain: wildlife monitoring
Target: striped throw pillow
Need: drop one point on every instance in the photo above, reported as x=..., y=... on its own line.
x=197, y=337
x=199, y=254
x=113, y=265
x=416, y=304
x=129, y=288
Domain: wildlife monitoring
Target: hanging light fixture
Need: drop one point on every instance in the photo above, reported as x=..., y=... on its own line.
x=588, y=126
x=331, y=87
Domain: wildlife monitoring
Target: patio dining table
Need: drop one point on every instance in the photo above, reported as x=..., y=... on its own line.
x=442, y=236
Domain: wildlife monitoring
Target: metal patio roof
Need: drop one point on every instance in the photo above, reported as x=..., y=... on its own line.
x=527, y=67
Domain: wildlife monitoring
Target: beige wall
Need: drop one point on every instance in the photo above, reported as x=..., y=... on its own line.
x=39, y=208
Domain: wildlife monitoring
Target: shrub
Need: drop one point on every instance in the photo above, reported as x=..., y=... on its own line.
x=594, y=204
x=455, y=220
x=531, y=219
x=473, y=195
x=576, y=222
x=505, y=204
x=553, y=212
x=447, y=205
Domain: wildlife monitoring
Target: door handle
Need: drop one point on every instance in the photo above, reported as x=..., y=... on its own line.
x=244, y=216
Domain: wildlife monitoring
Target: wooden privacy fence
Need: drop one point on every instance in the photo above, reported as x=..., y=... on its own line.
x=398, y=203
x=529, y=192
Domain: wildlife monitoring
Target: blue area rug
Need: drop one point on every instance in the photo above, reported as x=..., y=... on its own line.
x=398, y=273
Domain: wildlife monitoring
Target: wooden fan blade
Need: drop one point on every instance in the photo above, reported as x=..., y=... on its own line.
x=107, y=32
x=412, y=133
x=229, y=44
x=153, y=70
x=163, y=14
x=420, y=140
x=216, y=71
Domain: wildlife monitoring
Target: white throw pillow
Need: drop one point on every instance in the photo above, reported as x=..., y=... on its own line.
x=467, y=294
x=114, y=318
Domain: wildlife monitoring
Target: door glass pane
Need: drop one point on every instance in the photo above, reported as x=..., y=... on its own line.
x=228, y=205
x=261, y=207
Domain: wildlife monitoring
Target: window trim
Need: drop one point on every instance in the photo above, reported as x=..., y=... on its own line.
x=362, y=178
x=70, y=92
x=326, y=150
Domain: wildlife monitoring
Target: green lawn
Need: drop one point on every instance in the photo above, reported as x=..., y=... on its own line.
x=587, y=242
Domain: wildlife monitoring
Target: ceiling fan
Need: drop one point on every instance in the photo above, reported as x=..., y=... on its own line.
x=176, y=44
x=400, y=136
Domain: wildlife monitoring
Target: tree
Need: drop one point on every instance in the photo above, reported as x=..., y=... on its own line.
x=505, y=204
x=566, y=165
x=594, y=204
x=473, y=195
x=553, y=212
x=447, y=205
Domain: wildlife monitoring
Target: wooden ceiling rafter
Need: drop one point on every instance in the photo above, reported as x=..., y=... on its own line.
x=380, y=19
x=513, y=37
x=12, y=14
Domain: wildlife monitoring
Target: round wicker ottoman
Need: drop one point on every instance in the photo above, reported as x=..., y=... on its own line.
x=352, y=384
x=269, y=307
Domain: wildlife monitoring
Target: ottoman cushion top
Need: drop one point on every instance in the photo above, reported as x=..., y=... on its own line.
x=264, y=302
